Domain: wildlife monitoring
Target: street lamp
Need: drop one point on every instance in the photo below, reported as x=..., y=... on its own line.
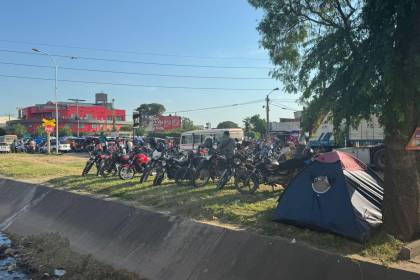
x=77, y=112
x=55, y=94
x=267, y=110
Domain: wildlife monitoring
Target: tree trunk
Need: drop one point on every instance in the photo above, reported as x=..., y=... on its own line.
x=402, y=174
x=402, y=189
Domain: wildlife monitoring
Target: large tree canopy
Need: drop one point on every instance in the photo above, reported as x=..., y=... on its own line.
x=355, y=59
x=227, y=124
x=147, y=111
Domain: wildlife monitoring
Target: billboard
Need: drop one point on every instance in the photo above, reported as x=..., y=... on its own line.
x=164, y=123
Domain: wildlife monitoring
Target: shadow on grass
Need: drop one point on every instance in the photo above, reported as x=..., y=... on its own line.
x=253, y=211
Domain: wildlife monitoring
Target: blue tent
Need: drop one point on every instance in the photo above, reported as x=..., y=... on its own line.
x=335, y=193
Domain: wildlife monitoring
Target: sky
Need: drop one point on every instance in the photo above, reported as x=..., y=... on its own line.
x=204, y=38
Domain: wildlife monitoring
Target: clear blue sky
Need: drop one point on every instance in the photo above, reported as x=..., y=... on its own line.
x=224, y=30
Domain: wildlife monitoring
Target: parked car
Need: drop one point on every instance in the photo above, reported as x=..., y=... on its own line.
x=4, y=147
x=62, y=147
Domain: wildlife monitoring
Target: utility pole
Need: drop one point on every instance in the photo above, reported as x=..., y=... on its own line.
x=77, y=112
x=267, y=111
x=113, y=115
x=55, y=94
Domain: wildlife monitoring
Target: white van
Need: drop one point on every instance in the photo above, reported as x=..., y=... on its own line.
x=190, y=140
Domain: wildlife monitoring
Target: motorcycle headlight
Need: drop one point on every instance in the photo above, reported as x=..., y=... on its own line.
x=163, y=163
x=237, y=161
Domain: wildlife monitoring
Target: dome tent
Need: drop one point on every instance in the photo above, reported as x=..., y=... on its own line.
x=335, y=193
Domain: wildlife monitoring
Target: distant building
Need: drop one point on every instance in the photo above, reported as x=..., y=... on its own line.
x=93, y=117
x=4, y=120
x=287, y=124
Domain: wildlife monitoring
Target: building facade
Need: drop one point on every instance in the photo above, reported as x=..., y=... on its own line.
x=87, y=118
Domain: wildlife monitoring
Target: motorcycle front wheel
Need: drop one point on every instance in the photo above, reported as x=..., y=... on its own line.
x=88, y=167
x=145, y=175
x=224, y=178
x=158, y=179
x=201, y=178
x=247, y=184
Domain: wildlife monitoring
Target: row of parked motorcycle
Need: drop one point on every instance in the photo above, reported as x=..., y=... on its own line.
x=249, y=168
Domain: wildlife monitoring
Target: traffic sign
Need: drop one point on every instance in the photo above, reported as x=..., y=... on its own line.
x=414, y=144
x=49, y=129
x=47, y=122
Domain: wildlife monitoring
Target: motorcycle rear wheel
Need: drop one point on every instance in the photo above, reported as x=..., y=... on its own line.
x=201, y=178
x=126, y=173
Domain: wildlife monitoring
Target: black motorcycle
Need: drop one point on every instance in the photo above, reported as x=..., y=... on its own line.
x=211, y=167
x=94, y=159
x=185, y=169
x=268, y=171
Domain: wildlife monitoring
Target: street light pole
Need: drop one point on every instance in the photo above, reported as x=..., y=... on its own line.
x=267, y=111
x=55, y=95
x=77, y=112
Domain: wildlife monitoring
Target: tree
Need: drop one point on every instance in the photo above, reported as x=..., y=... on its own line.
x=147, y=111
x=39, y=131
x=254, y=126
x=19, y=130
x=357, y=59
x=65, y=131
x=187, y=124
x=128, y=127
x=227, y=124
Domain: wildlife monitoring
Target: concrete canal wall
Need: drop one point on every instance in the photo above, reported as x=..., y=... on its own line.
x=159, y=246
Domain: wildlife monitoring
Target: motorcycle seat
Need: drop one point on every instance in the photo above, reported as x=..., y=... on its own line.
x=182, y=162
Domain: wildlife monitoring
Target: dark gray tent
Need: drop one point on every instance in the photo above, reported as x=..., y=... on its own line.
x=335, y=193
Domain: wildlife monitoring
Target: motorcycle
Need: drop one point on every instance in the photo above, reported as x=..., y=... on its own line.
x=111, y=163
x=157, y=163
x=94, y=159
x=268, y=171
x=185, y=169
x=136, y=164
x=212, y=166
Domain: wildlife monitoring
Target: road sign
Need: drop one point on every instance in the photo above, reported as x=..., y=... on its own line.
x=47, y=122
x=49, y=129
x=414, y=144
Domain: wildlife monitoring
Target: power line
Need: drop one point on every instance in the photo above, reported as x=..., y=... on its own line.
x=136, y=73
x=129, y=52
x=218, y=107
x=138, y=62
x=134, y=85
x=284, y=107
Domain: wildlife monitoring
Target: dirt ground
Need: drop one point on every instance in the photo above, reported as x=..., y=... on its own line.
x=40, y=256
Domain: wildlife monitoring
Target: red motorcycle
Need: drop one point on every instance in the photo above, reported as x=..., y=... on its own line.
x=136, y=164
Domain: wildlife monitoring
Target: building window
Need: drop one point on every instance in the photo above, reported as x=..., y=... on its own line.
x=81, y=125
x=93, y=125
x=109, y=118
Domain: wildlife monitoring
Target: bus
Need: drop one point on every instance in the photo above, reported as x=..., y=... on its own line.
x=190, y=140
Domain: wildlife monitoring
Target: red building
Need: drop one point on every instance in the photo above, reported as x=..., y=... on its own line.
x=93, y=117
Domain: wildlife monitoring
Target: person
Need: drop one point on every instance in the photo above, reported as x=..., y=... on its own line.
x=226, y=145
x=130, y=146
x=103, y=141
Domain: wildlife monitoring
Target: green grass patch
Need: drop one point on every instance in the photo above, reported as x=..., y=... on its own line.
x=253, y=212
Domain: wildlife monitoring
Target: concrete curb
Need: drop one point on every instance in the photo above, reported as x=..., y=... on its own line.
x=410, y=250
x=159, y=246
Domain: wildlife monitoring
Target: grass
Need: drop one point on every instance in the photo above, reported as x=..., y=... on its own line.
x=226, y=207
